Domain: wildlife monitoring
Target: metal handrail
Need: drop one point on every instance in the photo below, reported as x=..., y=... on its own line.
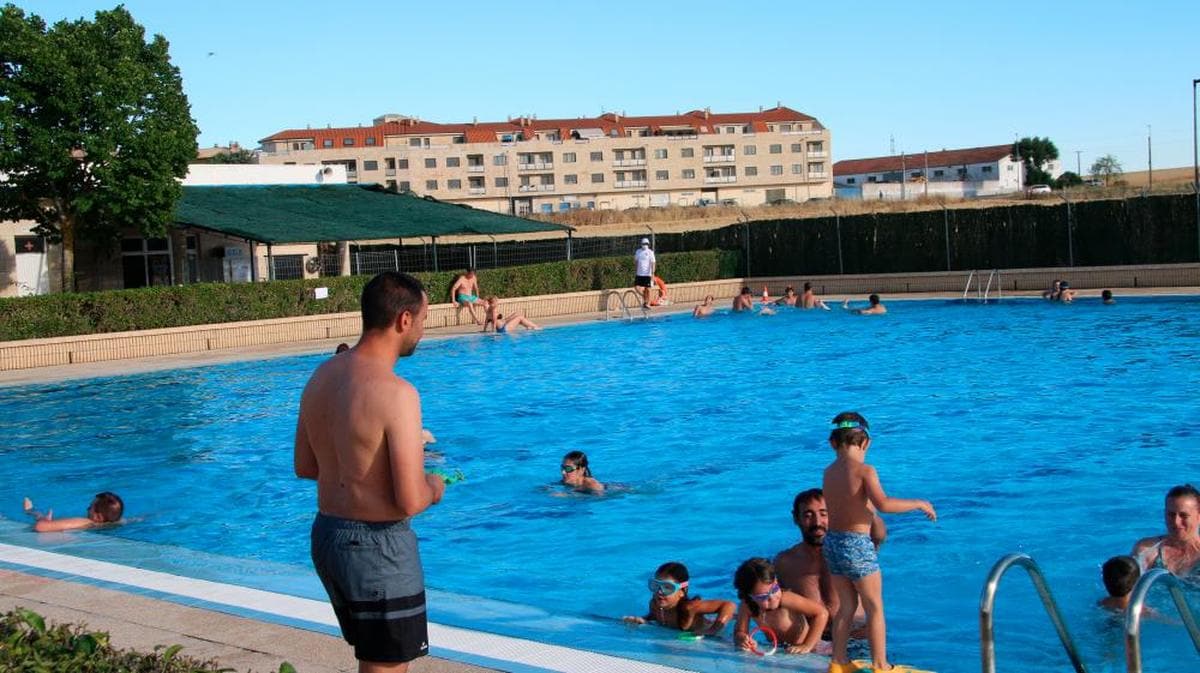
x=988, y=290
x=1133, y=615
x=621, y=295
x=987, y=603
x=968, y=287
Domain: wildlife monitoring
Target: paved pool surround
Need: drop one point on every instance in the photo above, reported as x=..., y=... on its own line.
x=575, y=307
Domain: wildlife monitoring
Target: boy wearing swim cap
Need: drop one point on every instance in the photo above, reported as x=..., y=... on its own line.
x=851, y=488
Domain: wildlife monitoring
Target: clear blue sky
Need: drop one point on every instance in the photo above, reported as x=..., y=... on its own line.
x=1090, y=75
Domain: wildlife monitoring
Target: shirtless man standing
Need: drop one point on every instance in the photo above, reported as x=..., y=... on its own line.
x=465, y=292
x=359, y=437
x=801, y=568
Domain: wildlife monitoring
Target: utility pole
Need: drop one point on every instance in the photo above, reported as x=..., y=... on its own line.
x=892, y=145
x=1078, y=165
x=926, y=174
x=1149, y=160
x=903, y=177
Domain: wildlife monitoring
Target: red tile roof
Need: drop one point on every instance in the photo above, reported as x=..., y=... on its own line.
x=973, y=155
x=483, y=132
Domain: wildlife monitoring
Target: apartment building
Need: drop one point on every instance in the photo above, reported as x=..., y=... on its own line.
x=529, y=165
x=973, y=171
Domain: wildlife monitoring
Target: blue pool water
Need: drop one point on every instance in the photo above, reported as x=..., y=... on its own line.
x=1053, y=430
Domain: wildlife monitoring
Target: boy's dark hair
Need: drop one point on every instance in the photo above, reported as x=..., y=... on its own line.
x=874, y=299
x=803, y=498
x=1106, y=294
x=341, y=348
x=807, y=285
x=579, y=459
x=849, y=429
x=1183, y=491
x=388, y=295
x=1120, y=574
x=108, y=505
x=745, y=289
x=751, y=572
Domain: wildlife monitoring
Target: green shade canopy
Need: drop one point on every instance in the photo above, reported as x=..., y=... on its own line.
x=311, y=213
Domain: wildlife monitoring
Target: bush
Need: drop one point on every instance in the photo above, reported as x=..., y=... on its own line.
x=29, y=644
x=72, y=314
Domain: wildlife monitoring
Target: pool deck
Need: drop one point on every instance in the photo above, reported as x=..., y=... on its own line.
x=140, y=622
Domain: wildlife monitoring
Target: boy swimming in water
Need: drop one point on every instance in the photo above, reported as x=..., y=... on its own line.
x=851, y=488
x=106, y=508
x=1120, y=574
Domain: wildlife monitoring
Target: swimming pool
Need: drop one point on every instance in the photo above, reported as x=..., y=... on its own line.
x=1049, y=429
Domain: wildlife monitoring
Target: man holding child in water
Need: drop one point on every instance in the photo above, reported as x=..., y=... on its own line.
x=359, y=437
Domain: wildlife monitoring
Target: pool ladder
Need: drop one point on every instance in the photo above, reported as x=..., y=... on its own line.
x=982, y=292
x=1133, y=614
x=623, y=296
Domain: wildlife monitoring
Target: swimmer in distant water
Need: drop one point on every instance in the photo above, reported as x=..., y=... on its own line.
x=576, y=473
x=1052, y=293
x=789, y=297
x=672, y=607
x=744, y=301
x=876, y=307
x=810, y=300
x=493, y=317
x=705, y=308
x=106, y=508
x=1120, y=574
x=1065, y=294
x=1106, y=297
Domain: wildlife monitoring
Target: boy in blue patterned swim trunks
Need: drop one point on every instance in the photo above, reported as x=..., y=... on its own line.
x=851, y=489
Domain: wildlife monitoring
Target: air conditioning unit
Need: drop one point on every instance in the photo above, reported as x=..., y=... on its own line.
x=233, y=251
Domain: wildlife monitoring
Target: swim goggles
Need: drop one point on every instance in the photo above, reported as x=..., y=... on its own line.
x=568, y=469
x=850, y=425
x=665, y=587
x=763, y=598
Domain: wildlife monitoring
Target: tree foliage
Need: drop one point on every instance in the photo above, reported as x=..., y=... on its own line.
x=1036, y=154
x=233, y=157
x=1068, y=179
x=94, y=128
x=1106, y=168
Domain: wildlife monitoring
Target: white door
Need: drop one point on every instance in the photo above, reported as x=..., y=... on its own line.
x=33, y=277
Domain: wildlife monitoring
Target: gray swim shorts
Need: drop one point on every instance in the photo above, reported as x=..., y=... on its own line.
x=372, y=573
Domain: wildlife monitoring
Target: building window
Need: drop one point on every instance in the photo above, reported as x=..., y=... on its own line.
x=777, y=170
x=939, y=173
x=660, y=154
x=962, y=172
x=872, y=178
x=500, y=160
x=797, y=147
x=391, y=185
x=914, y=175
x=597, y=178
x=797, y=169
x=662, y=175
x=816, y=169
x=689, y=174
x=390, y=163
x=287, y=267
x=454, y=184
x=786, y=128
x=453, y=162
x=687, y=153
x=327, y=142
x=369, y=165
x=370, y=140
x=501, y=182
x=751, y=171
x=776, y=149
x=597, y=156
x=146, y=262
x=568, y=157
x=817, y=146
x=348, y=142
x=431, y=185
x=547, y=208
x=987, y=169
x=431, y=162
x=402, y=164
x=731, y=129
x=571, y=179
x=850, y=181
x=405, y=186
x=414, y=142
x=749, y=150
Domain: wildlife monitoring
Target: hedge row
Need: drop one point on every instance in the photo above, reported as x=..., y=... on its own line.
x=209, y=303
x=28, y=643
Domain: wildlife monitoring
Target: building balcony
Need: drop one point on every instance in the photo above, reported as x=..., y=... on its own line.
x=629, y=162
x=715, y=179
x=475, y=169
x=535, y=188
x=476, y=191
x=718, y=158
x=536, y=166
x=818, y=155
x=816, y=176
x=351, y=174
x=389, y=172
x=623, y=184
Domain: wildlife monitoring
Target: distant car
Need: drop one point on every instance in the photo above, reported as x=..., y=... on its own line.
x=728, y=202
x=1039, y=189
x=780, y=202
x=705, y=202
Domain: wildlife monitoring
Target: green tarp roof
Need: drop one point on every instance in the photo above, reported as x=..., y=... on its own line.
x=310, y=213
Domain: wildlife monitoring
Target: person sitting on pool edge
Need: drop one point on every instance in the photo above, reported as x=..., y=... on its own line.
x=106, y=508
x=1120, y=574
x=876, y=307
x=493, y=317
x=672, y=607
x=797, y=621
x=577, y=474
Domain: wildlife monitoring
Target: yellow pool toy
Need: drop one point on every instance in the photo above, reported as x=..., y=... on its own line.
x=865, y=667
